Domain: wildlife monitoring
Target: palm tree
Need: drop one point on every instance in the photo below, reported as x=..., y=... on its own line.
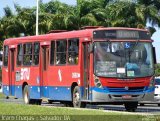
x=87, y=13
x=53, y=15
x=148, y=12
x=57, y=15
x=26, y=20
x=155, y=3
x=122, y=14
x=133, y=14
x=6, y=22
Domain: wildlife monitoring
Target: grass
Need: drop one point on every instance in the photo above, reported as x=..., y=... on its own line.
x=73, y=114
x=38, y=113
x=2, y=96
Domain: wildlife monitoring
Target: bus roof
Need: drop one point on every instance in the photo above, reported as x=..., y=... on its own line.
x=63, y=35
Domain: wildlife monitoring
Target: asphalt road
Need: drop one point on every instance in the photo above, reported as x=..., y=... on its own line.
x=147, y=108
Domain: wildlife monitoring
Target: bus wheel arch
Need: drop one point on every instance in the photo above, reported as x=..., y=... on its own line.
x=76, y=96
x=26, y=95
x=23, y=85
x=74, y=84
x=69, y=103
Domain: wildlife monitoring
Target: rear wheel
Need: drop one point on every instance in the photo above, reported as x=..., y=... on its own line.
x=26, y=97
x=37, y=102
x=76, y=98
x=131, y=106
x=68, y=104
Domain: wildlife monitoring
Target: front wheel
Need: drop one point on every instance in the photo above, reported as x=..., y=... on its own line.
x=131, y=106
x=77, y=98
x=141, y=104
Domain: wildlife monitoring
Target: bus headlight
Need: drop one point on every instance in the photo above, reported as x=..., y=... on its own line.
x=98, y=83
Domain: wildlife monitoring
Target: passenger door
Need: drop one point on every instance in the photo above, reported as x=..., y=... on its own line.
x=12, y=71
x=44, y=71
x=85, y=61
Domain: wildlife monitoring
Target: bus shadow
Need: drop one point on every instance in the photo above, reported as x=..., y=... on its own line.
x=122, y=108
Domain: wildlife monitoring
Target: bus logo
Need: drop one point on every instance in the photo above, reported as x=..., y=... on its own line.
x=25, y=73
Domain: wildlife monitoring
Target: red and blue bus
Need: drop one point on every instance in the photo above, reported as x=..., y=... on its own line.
x=93, y=65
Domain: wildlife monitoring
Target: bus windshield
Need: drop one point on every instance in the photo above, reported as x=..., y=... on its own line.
x=123, y=59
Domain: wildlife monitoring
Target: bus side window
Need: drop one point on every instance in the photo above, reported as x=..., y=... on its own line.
x=19, y=55
x=36, y=53
x=27, y=54
x=5, y=57
x=61, y=52
x=73, y=47
x=52, y=52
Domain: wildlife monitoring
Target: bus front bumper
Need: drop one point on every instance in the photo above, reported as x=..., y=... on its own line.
x=104, y=96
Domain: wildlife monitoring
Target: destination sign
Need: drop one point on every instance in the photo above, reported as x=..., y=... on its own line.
x=121, y=34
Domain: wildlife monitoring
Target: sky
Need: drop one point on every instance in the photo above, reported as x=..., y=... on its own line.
x=31, y=3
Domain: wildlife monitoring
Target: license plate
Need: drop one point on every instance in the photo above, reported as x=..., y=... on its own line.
x=126, y=96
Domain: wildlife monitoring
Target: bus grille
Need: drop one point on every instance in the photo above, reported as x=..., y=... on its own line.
x=130, y=89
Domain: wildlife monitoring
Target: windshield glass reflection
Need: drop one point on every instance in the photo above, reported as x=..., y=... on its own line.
x=123, y=59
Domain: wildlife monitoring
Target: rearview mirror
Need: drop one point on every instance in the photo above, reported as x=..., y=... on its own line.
x=154, y=55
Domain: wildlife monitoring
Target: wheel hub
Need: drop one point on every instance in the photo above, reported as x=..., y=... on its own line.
x=26, y=98
x=76, y=98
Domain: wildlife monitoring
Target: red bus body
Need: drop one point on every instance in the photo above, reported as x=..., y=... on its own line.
x=56, y=82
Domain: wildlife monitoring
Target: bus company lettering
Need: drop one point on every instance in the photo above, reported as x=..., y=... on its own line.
x=75, y=75
x=25, y=73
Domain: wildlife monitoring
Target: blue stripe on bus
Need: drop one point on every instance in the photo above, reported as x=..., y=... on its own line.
x=54, y=93
x=18, y=91
x=63, y=93
x=123, y=91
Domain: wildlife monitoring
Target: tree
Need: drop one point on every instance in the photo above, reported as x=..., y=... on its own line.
x=147, y=12
x=6, y=22
x=26, y=20
x=133, y=14
x=157, y=69
x=57, y=15
x=122, y=14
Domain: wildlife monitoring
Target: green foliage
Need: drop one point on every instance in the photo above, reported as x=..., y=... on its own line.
x=1, y=95
x=157, y=69
x=41, y=112
x=56, y=15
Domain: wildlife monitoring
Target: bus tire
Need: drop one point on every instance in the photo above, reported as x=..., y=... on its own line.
x=37, y=102
x=141, y=104
x=131, y=106
x=68, y=104
x=76, y=98
x=26, y=96
x=7, y=97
